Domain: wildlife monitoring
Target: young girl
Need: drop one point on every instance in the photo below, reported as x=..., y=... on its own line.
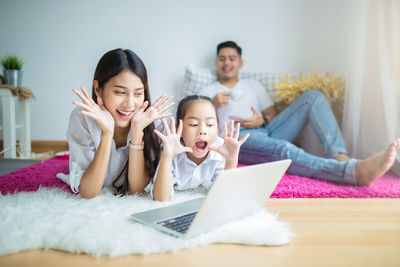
x=201, y=155
x=111, y=134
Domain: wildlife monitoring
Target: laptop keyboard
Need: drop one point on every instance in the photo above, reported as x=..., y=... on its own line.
x=180, y=224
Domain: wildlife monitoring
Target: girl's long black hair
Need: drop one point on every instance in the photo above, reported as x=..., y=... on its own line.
x=110, y=65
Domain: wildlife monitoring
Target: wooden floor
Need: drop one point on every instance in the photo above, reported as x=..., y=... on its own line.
x=9, y=165
x=330, y=232
x=43, y=149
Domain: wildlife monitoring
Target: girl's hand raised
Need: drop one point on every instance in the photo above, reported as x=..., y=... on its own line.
x=98, y=111
x=172, y=140
x=146, y=115
x=230, y=149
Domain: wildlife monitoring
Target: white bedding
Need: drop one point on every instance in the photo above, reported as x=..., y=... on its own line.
x=52, y=218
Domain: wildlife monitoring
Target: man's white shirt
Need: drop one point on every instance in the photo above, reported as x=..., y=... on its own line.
x=248, y=93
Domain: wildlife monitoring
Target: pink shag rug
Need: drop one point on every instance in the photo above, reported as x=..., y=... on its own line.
x=291, y=186
x=42, y=174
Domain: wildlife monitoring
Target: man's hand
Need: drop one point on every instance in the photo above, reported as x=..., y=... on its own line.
x=254, y=121
x=221, y=99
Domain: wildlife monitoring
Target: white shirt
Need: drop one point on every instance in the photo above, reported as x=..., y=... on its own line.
x=245, y=94
x=83, y=137
x=186, y=174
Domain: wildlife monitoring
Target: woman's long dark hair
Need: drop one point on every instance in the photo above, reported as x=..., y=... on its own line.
x=110, y=65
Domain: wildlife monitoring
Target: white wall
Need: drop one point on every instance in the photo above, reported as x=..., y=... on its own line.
x=61, y=42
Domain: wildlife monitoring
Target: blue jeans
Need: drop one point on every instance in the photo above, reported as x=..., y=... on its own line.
x=273, y=141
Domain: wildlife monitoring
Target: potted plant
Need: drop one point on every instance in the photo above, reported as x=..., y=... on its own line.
x=12, y=66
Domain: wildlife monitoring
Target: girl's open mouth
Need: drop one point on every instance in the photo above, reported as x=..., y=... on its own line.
x=124, y=115
x=201, y=145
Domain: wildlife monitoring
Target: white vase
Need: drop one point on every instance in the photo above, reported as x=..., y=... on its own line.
x=13, y=77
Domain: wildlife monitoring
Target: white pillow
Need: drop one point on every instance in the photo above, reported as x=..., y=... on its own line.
x=196, y=78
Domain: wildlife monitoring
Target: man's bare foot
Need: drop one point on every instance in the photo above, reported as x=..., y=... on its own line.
x=342, y=157
x=370, y=169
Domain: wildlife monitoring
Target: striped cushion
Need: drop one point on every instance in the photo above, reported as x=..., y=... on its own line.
x=197, y=78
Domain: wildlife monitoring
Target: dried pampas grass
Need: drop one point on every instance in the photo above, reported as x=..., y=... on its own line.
x=290, y=87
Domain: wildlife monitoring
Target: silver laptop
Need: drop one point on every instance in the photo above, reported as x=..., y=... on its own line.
x=236, y=193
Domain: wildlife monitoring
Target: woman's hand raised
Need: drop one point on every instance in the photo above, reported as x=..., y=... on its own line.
x=98, y=111
x=146, y=115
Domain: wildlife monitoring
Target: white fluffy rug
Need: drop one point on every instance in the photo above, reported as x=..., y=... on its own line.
x=52, y=218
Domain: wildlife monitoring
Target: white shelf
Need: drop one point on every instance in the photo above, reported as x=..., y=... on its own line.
x=9, y=125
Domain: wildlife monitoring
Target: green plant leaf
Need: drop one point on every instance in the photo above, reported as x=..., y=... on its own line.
x=12, y=62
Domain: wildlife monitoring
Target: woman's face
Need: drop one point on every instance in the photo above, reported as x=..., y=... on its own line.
x=122, y=95
x=200, y=129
